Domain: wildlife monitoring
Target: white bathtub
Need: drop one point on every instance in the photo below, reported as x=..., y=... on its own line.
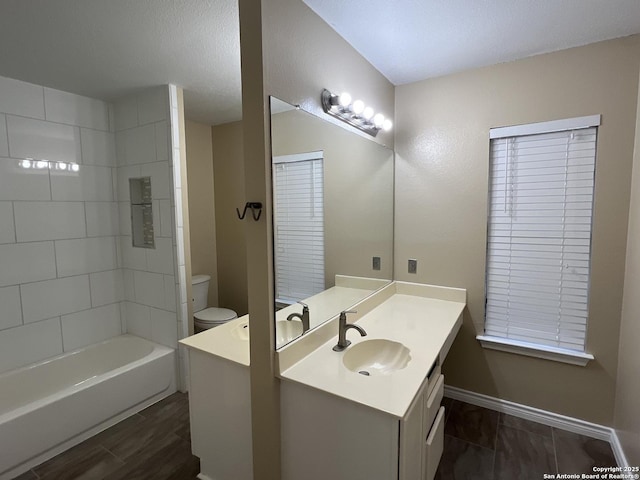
x=50, y=406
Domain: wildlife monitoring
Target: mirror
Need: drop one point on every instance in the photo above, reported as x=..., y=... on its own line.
x=332, y=218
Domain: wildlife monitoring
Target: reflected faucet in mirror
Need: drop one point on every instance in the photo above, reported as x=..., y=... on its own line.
x=304, y=317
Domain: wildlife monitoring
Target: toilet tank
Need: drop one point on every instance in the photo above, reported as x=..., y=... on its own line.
x=200, y=290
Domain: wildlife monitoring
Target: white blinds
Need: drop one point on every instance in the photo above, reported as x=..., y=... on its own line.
x=539, y=237
x=298, y=228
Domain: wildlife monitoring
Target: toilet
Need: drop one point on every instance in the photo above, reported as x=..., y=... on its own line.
x=205, y=318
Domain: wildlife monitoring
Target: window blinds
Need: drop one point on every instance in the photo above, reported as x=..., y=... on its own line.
x=539, y=237
x=298, y=227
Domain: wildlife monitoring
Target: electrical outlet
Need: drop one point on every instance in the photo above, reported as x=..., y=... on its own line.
x=376, y=263
x=413, y=265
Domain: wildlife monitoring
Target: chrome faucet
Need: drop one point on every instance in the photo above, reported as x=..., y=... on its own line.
x=343, y=326
x=304, y=317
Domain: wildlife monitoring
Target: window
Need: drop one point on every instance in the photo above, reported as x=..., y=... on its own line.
x=298, y=226
x=539, y=238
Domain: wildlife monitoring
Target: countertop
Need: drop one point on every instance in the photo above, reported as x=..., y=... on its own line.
x=230, y=341
x=423, y=318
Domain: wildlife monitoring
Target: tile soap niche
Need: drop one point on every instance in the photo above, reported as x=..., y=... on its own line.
x=141, y=212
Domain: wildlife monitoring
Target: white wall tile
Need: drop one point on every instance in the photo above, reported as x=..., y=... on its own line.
x=124, y=218
x=112, y=117
x=121, y=154
x=90, y=326
x=17, y=183
x=160, y=259
x=125, y=113
x=170, y=292
x=159, y=173
x=48, y=299
x=85, y=255
x=76, y=110
x=162, y=141
x=29, y=138
x=124, y=174
x=123, y=317
x=178, y=208
x=149, y=288
x=90, y=183
x=164, y=213
x=106, y=287
x=30, y=343
x=164, y=327
x=138, y=320
x=10, y=308
x=128, y=284
x=102, y=219
x=183, y=321
x=98, y=148
x=132, y=257
x=153, y=105
x=26, y=262
x=4, y=142
x=7, y=230
x=36, y=221
x=182, y=278
x=140, y=145
x=21, y=98
x=180, y=258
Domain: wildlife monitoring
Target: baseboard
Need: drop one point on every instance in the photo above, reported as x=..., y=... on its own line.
x=545, y=417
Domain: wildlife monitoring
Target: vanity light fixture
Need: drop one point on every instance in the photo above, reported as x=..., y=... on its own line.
x=355, y=113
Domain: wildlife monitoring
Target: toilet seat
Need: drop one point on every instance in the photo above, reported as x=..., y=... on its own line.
x=213, y=316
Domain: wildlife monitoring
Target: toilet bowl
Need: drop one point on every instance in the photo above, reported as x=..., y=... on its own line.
x=205, y=317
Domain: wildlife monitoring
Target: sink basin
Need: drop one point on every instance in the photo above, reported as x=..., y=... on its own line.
x=376, y=357
x=285, y=331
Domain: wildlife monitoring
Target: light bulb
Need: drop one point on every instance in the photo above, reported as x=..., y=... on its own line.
x=25, y=163
x=386, y=125
x=62, y=166
x=41, y=164
x=367, y=113
x=378, y=120
x=358, y=107
x=344, y=100
x=75, y=167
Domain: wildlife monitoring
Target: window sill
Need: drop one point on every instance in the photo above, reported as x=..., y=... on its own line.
x=537, y=351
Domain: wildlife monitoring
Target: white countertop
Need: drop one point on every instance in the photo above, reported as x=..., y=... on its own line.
x=231, y=340
x=423, y=324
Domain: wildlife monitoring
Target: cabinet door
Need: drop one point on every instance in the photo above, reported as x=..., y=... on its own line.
x=412, y=440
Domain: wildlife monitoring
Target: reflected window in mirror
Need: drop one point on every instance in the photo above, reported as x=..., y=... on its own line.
x=298, y=210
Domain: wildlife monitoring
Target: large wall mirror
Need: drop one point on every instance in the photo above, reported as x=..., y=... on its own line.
x=332, y=219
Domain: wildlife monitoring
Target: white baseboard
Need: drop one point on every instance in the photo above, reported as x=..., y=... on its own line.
x=545, y=417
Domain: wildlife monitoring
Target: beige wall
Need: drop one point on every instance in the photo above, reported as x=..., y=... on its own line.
x=201, y=205
x=627, y=407
x=358, y=192
x=442, y=146
x=230, y=236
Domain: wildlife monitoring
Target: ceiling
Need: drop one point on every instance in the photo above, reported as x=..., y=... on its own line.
x=110, y=48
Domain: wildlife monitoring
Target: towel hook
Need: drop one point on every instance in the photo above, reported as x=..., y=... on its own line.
x=254, y=206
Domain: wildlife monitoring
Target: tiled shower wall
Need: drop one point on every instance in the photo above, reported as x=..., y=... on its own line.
x=69, y=275
x=143, y=150
x=60, y=285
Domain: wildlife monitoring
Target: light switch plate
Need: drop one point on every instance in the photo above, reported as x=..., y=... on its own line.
x=376, y=263
x=413, y=266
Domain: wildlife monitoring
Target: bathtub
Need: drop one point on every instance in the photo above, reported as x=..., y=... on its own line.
x=52, y=405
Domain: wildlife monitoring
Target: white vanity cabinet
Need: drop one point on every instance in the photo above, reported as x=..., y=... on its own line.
x=324, y=436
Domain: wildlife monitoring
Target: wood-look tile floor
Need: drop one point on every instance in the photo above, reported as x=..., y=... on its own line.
x=482, y=444
x=479, y=444
x=154, y=444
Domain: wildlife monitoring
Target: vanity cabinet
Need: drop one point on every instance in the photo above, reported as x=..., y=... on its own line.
x=324, y=436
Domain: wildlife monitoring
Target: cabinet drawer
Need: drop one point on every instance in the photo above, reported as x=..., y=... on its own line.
x=432, y=404
x=434, y=447
x=433, y=377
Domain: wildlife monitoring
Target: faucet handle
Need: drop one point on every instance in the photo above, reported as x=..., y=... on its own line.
x=304, y=305
x=343, y=314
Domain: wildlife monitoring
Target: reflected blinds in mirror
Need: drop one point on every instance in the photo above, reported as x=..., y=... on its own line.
x=299, y=226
